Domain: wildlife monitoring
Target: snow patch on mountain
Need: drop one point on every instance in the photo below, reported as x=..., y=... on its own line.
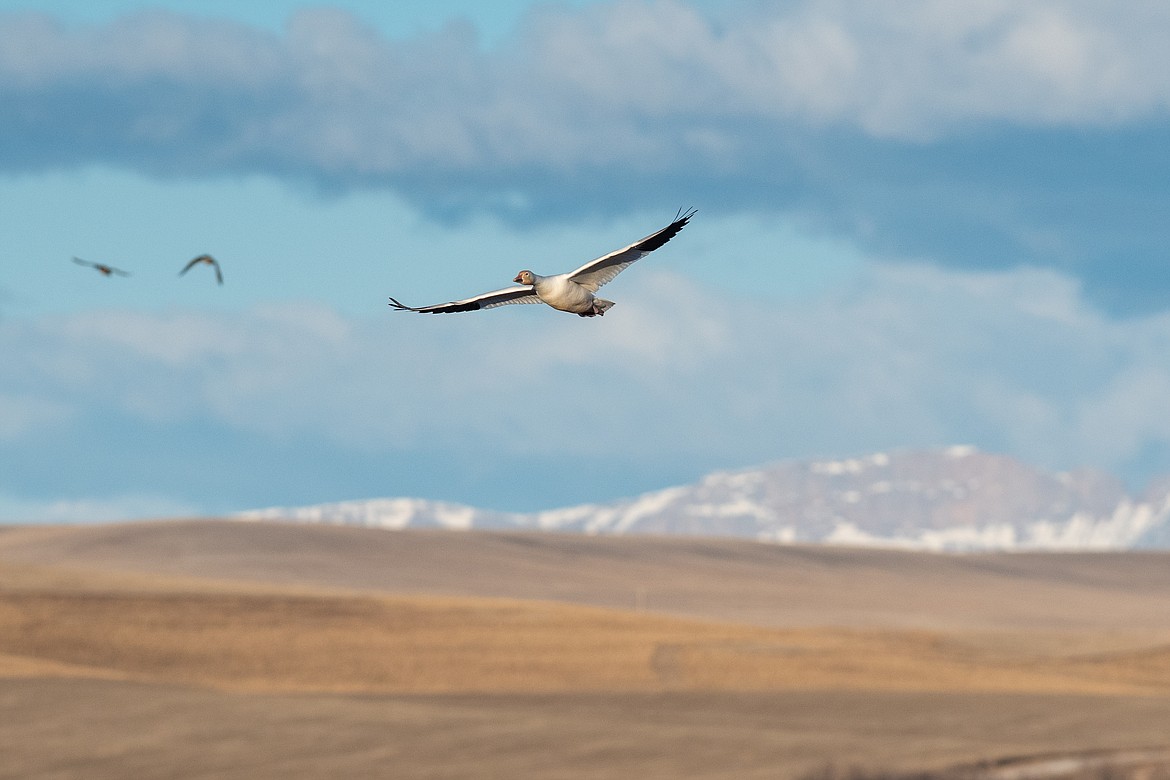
x=956, y=498
x=390, y=513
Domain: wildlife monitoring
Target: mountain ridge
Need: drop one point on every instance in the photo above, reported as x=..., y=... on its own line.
x=951, y=499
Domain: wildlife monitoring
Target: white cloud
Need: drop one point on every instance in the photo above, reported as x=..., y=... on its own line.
x=903, y=356
x=901, y=69
x=633, y=83
x=40, y=52
x=92, y=510
x=22, y=415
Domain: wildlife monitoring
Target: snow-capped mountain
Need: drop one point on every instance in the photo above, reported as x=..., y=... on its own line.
x=953, y=499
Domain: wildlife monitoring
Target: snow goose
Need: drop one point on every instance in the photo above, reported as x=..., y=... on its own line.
x=102, y=268
x=205, y=260
x=571, y=292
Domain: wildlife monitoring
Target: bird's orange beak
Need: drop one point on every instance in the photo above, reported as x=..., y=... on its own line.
x=517, y=279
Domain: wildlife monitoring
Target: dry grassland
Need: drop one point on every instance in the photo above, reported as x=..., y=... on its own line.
x=363, y=644
x=330, y=652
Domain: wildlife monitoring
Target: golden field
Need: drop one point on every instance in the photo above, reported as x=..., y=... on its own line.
x=201, y=648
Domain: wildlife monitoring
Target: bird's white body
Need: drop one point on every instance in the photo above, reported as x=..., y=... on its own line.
x=562, y=293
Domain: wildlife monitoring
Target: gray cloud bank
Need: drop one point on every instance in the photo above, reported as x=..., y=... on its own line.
x=973, y=133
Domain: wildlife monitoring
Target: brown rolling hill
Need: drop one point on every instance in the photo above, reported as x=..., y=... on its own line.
x=229, y=649
x=728, y=580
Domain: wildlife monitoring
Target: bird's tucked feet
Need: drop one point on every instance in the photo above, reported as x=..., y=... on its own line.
x=601, y=306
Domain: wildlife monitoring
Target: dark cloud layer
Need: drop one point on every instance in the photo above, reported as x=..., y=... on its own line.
x=984, y=135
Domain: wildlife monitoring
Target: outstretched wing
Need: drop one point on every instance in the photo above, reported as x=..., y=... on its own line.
x=105, y=269
x=218, y=273
x=597, y=272
x=488, y=300
x=191, y=264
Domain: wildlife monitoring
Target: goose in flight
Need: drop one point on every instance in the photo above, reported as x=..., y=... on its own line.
x=571, y=292
x=206, y=260
x=102, y=268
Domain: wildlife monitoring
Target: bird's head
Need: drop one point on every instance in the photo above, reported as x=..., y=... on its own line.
x=525, y=277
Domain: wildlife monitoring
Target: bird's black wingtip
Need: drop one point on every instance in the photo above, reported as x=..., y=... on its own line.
x=446, y=308
x=399, y=306
x=655, y=240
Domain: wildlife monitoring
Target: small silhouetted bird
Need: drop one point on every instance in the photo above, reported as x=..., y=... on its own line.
x=102, y=268
x=206, y=260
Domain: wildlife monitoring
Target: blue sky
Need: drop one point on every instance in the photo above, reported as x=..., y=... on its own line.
x=919, y=224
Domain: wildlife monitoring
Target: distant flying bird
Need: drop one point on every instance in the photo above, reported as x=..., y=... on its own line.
x=206, y=260
x=102, y=268
x=571, y=292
